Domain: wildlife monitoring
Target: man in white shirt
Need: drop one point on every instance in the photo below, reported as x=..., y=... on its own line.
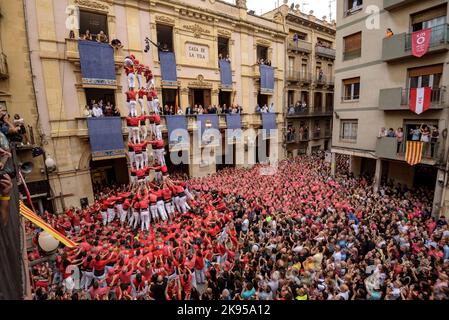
x=97, y=111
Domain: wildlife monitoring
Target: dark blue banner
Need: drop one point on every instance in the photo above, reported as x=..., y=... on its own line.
x=233, y=121
x=269, y=121
x=208, y=121
x=168, y=68
x=225, y=74
x=266, y=79
x=106, y=138
x=174, y=123
x=97, y=63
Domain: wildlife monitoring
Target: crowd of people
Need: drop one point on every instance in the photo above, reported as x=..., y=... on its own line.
x=428, y=134
x=100, y=37
x=199, y=109
x=299, y=234
x=100, y=109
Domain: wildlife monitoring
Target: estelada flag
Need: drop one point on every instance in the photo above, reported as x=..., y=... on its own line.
x=421, y=42
x=34, y=218
x=413, y=153
x=420, y=99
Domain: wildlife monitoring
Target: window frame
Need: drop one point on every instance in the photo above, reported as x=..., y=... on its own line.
x=353, y=10
x=102, y=14
x=351, y=82
x=353, y=54
x=353, y=123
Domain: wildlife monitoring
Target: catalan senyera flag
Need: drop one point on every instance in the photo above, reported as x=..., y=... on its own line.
x=34, y=218
x=413, y=154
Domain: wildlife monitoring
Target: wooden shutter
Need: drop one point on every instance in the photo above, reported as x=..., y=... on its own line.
x=427, y=70
x=429, y=14
x=353, y=42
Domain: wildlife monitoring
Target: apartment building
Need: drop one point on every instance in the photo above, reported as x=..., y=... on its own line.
x=375, y=73
x=194, y=32
x=309, y=80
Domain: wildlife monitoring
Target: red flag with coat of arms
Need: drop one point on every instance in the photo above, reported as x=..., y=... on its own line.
x=420, y=99
x=421, y=42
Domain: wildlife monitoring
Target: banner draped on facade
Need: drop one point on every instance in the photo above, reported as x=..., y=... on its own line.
x=174, y=123
x=168, y=68
x=420, y=99
x=266, y=79
x=97, y=63
x=413, y=154
x=421, y=42
x=34, y=218
x=225, y=74
x=106, y=138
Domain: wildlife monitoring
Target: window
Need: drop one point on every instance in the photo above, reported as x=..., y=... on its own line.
x=291, y=95
x=223, y=47
x=97, y=95
x=291, y=64
x=353, y=6
x=165, y=37
x=324, y=43
x=352, y=46
x=94, y=22
x=262, y=53
x=304, y=69
x=431, y=18
x=299, y=35
x=428, y=76
x=348, y=130
x=351, y=89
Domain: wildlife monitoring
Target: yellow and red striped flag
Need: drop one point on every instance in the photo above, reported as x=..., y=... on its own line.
x=34, y=218
x=413, y=153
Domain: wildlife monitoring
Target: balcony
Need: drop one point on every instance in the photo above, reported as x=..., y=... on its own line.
x=316, y=135
x=388, y=148
x=399, y=46
x=398, y=99
x=325, y=52
x=73, y=55
x=394, y=4
x=324, y=80
x=299, y=46
x=293, y=76
x=4, y=74
x=305, y=77
x=308, y=113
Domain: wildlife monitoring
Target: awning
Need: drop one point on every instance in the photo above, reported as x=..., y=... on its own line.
x=97, y=63
x=177, y=129
x=106, y=138
x=225, y=74
x=266, y=79
x=168, y=68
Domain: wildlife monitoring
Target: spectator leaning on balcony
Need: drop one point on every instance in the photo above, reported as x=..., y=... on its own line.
x=102, y=37
x=19, y=122
x=97, y=111
x=425, y=137
x=390, y=133
x=87, y=111
x=415, y=133
x=87, y=35
x=389, y=33
x=435, y=134
x=271, y=108
x=399, y=139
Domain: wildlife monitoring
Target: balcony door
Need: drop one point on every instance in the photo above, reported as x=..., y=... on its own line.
x=434, y=18
x=429, y=76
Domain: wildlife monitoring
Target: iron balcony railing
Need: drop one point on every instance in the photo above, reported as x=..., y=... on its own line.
x=300, y=45
x=293, y=75
x=430, y=149
x=436, y=98
x=325, y=51
x=439, y=36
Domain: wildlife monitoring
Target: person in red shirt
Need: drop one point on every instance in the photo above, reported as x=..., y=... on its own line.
x=149, y=102
x=140, y=286
x=152, y=198
x=129, y=70
x=144, y=213
x=135, y=217
x=149, y=78
x=139, y=157
x=138, y=68
x=167, y=195
x=142, y=93
x=158, y=150
x=133, y=128
x=157, y=126
x=185, y=277
x=200, y=264
x=131, y=96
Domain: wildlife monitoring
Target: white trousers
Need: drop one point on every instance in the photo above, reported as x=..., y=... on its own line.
x=145, y=158
x=142, y=106
x=158, y=132
x=139, y=80
x=168, y=208
x=133, y=108
x=111, y=215
x=131, y=81
x=159, y=155
x=139, y=160
x=136, y=134
x=104, y=216
x=153, y=209
x=161, y=210
x=150, y=84
x=145, y=220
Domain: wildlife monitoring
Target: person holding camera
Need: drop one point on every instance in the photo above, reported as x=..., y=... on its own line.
x=5, y=187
